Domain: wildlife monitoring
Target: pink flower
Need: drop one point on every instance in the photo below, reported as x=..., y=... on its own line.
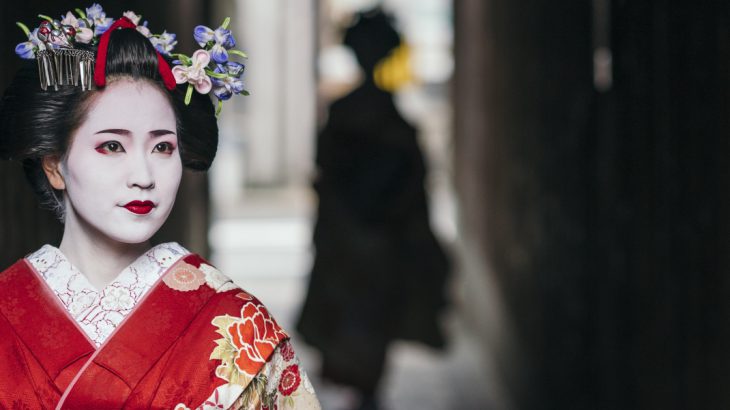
x=195, y=73
x=83, y=34
x=184, y=278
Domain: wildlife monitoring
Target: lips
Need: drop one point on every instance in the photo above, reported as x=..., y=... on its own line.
x=140, y=207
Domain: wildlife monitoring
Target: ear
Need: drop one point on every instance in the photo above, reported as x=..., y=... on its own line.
x=52, y=167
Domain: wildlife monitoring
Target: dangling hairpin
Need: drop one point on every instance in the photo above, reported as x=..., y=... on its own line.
x=59, y=63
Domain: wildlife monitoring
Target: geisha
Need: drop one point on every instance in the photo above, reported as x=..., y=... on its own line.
x=104, y=127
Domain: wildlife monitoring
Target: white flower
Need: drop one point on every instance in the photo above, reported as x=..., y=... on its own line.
x=216, y=280
x=132, y=16
x=116, y=299
x=222, y=398
x=70, y=20
x=145, y=31
x=81, y=303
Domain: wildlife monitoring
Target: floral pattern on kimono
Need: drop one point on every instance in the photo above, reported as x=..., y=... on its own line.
x=235, y=354
x=99, y=312
x=258, y=363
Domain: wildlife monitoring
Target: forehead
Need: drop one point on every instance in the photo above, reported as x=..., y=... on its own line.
x=129, y=104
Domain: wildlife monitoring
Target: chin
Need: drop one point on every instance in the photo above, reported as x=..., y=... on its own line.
x=134, y=233
x=132, y=238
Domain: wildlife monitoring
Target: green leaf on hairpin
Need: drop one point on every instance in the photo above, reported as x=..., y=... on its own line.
x=189, y=94
x=24, y=28
x=213, y=74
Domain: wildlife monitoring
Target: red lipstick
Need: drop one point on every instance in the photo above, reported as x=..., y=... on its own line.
x=140, y=207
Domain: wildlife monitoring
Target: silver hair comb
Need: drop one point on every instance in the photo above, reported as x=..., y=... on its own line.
x=59, y=63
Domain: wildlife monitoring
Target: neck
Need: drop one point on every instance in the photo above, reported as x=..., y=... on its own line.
x=97, y=256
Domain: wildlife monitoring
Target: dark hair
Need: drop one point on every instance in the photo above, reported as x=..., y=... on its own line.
x=36, y=123
x=371, y=37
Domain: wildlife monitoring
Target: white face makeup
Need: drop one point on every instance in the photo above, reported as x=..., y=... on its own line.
x=123, y=168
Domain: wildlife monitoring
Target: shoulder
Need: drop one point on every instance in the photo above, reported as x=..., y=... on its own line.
x=236, y=313
x=11, y=273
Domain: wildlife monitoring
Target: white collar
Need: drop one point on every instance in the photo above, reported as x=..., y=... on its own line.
x=99, y=312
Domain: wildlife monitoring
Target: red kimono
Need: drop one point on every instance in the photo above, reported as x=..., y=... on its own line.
x=192, y=340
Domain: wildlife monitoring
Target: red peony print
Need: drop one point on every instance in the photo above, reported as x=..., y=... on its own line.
x=255, y=337
x=290, y=380
x=287, y=351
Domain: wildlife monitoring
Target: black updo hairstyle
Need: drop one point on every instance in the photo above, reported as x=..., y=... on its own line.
x=36, y=123
x=371, y=37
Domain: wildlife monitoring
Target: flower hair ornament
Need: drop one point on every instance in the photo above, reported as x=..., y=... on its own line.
x=208, y=70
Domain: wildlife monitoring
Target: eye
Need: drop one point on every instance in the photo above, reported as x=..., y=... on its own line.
x=164, y=147
x=110, y=147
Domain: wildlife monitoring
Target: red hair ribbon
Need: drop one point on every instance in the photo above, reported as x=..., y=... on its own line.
x=100, y=68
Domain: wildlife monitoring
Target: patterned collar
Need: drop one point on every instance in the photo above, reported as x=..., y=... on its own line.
x=99, y=312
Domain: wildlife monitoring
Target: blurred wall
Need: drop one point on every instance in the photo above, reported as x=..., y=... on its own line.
x=600, y=216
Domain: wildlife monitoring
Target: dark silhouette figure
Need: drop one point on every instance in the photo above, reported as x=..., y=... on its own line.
x=379, y=274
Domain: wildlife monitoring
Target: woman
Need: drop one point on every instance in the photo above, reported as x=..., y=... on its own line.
x=105, y=320
x=378, y=274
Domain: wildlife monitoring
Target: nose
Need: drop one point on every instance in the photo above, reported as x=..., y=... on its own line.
x=140, y=173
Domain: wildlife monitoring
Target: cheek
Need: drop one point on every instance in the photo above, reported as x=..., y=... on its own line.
x=86, y=176
x=169, y=177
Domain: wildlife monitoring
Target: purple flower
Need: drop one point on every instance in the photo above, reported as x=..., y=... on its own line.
x=224, y=88
x=224, y=37
x=102, y=25
x=25, y=50
x=232, y=68
x=219, y=53
x=28, y=48
x=219, y=41
x=95, y=11
x=164, y=43
x=98, y=18
x=203, y=35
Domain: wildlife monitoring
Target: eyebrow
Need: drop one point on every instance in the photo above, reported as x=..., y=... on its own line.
x=120, y=131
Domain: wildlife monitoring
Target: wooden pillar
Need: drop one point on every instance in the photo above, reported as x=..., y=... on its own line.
x=602, y=216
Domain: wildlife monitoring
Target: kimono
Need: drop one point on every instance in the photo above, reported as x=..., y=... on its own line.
x=379, y=274
x=171, y=332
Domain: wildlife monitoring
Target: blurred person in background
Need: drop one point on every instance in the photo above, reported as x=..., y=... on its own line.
x=379, y=273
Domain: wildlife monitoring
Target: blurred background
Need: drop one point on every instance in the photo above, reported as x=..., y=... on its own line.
x=577, y=176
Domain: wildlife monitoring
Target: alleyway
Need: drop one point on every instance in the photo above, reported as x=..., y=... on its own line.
x=263, y=243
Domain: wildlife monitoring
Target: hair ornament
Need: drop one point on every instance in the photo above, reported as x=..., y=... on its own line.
x=60, y=63
x=210, y=68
